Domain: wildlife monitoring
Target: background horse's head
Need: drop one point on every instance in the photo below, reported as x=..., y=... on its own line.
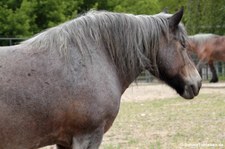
x=174, y=65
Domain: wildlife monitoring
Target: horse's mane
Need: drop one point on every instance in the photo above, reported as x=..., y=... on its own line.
x=202, y=38
x=129, y=39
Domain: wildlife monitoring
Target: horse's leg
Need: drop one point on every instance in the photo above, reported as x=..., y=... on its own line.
x=199, y=67
x=89, y=141
x=213, y=70
x=96, y=139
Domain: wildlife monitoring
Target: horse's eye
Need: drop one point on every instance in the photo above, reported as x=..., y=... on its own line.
x=183, y=44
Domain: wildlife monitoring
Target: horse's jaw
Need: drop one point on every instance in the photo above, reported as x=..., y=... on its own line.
x=187, y=86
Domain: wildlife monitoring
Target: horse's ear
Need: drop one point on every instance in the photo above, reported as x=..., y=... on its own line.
x=175, y=19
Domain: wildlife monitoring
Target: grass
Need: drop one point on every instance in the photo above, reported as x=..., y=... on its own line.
x=169, y=123
x=222, y=77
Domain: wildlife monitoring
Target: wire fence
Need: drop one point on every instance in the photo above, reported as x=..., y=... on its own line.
x=145, y=76
x=10, y=41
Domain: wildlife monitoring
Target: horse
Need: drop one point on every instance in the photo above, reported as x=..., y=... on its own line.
x=63, y=86
x=208, y=48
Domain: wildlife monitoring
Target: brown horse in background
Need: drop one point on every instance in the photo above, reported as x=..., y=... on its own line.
x=208, y=48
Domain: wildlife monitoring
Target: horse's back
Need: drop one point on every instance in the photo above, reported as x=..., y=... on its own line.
x=215, y=48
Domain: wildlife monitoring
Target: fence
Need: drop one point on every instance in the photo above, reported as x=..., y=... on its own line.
x=145, y=76
x=10, y=41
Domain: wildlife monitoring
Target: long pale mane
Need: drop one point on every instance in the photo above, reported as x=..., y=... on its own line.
x=130, y=40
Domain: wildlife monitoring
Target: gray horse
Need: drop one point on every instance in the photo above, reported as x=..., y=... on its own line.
x=64, y=85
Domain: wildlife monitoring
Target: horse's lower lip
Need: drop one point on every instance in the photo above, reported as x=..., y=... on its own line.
x=190, y=92
x=189, y=95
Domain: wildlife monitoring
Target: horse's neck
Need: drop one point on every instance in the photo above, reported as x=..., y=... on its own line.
x=127, y=80
x=195, y=47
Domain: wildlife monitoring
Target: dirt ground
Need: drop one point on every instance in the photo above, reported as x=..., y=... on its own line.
x=143, y=91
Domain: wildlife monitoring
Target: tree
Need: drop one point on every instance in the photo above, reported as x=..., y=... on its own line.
x=50, y=13
x=206, y=16
x=23, y=18
x=95, y=4
x=15, y=22
x=129, y=6
x=134, y=6
x=200, y=16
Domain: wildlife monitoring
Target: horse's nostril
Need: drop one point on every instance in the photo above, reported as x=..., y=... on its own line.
x=195, y=88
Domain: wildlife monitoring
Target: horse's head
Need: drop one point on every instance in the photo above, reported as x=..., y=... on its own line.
x=174, y=65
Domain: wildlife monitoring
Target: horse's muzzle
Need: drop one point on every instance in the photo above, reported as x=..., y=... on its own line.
x=192, y=89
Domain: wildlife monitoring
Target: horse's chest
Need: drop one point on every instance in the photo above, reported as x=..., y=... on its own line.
x=91, y=106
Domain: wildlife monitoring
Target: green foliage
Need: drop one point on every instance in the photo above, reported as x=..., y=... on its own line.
x=23, y=18
x=96, y=4
x=200, y=16
x=172, y=5
x=206, y=16
x=135, y=7
x=15, y=22
x=50, y=13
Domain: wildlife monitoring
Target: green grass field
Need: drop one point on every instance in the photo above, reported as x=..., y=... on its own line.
x=169, y=124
